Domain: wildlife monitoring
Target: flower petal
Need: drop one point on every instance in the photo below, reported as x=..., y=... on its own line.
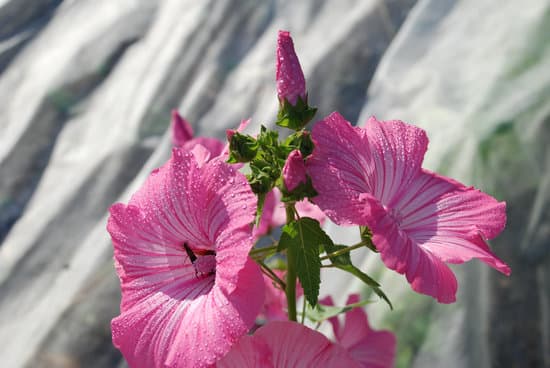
x=275, y=304
x=188, y=325
x=286, y=345
x=181, y=130
x=340, y=168
x=371, y=349
x=451, y=220
x=213, y=145
x=426, y=273
x=398, y=151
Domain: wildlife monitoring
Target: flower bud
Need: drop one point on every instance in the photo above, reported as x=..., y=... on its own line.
x=294, y=171
x=289, y=75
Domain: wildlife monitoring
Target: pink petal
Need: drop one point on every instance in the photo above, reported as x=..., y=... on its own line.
x=397, y=150
x=174, y=312
x=212, y=145
x=340, y=168
x=290, y=78
x=275, y=304
x=181, y=130
x=371, y=349
x=307, y=209
x=294, y=170
x=452, y=221
x=189, y=323
x=286, y=345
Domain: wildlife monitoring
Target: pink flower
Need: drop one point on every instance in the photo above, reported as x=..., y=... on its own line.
x=274, y=214
x=420, y=220
x=369, y=348
x=286, y=345
x=189, y=289
x=289, y=75
x=294, y=170
x=275, y=303
x=181, y=130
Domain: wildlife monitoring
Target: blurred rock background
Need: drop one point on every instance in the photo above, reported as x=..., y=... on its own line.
x=86, y=89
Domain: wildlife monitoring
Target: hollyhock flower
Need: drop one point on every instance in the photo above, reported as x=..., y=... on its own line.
x=274, y=214
x=189, y=289
x=286, y=345
x=294, y=170
x=420, y=220
x=275, y=304
x=369, y=348
x=290, y=78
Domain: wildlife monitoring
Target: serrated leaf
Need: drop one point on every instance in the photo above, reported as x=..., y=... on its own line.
x=320, y=312
x=303, y=238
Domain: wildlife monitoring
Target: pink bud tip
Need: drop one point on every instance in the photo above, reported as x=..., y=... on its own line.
x=294, y=171
x=289, y=75
x=181, y=130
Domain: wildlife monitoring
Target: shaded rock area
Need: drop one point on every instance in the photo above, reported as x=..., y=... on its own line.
x=86, y=89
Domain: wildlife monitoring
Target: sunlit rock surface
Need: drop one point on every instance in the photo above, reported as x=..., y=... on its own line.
x=86, y=89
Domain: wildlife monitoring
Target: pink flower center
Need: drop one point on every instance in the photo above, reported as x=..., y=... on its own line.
x=204, y=261
x=205, y=265
x=394, y=214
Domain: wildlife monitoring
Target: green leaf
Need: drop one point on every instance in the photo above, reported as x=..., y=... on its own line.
x=320, y=312
x=296, y=116
x=343, y=262
x=303, y=238
x=343, y=259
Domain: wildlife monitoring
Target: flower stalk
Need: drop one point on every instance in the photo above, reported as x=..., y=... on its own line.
x=291, y=276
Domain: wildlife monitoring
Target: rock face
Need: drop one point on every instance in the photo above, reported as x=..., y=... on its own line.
x=86, y=89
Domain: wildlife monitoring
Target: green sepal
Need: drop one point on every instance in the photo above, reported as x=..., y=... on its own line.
x=300, y=140
x=242, y=148
x=303, y=190
x=366, y=237
x=295, y=116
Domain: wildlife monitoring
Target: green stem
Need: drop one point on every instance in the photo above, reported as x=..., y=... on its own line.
x=343, y=251
x=272, y=275
x=256, y=251
x=291, y=271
